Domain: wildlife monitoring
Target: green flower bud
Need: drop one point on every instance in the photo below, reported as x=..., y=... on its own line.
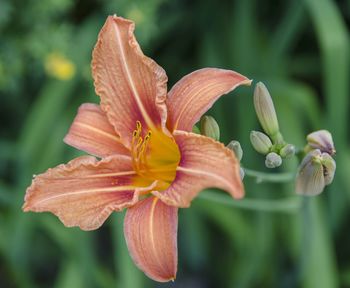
x=287, y=151
x=265, y=110
x=273, y=160
x=260, y=142
x=210, y=128
x=196, y=130
x=315, y=172
x=235, y=146
x=322, y=140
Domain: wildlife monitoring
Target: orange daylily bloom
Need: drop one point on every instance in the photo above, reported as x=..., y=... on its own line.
x=150, y=163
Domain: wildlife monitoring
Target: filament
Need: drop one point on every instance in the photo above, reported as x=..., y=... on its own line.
x=139, y=147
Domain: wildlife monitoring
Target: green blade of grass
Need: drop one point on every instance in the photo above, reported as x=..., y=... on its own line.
x=126, y=272
x=334, y=42
x=318, y=262
x=333, y=37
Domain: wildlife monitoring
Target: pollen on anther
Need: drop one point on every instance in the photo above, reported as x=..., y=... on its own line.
x=148, y=136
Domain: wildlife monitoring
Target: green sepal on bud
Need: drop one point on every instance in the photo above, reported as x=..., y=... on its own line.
x=235, y=146
x=265, y=110
x=273, y=160
x=287, y=151
x=260, y=142
x=210, y=128
x=316, y=170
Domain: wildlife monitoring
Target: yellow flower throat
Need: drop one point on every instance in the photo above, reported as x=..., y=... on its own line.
x=155, y=156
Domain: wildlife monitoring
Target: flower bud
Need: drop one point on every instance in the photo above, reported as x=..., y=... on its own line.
x=287, y=151
x=265, y=110
x=273, y=160
x=235, y=146
x=210, y=128
x=196, y=130
x=315, y=172
x=260, y=142
x=310, y=179
x=329, y=167
x=322, y=140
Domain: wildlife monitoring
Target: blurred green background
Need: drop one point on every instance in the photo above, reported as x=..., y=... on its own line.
x=298, y=48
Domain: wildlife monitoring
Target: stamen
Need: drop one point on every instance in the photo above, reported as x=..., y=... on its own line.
x=138, y=126
x=135, y=135
x=143, y=150
x=145, y=164
x=139, y=147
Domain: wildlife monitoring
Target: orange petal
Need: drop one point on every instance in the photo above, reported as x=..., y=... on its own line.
x=132, y=86
x=195, y=93
x=85, y=191
x=92, y=133
x=204, y=163
x=150, y=229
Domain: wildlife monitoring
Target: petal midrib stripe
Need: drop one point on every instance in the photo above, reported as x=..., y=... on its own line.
x=89, y=191
x=99, y=131
x=130, y=80
x=194, y=96
x=151, y=231
x=204, y=173
x=124, y=173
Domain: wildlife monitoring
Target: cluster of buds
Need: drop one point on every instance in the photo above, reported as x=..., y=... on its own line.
x=318, y=167
x=272, y=143
x=210, y=128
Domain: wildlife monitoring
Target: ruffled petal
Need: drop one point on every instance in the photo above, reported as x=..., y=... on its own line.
x=204, y=163
x=85, y=191
x=150, y=229
x=132, y=86
x=195, y=93
x=91, y=132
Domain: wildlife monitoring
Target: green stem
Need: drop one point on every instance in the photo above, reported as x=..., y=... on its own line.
x=269, y=177
x=289, y=205
x=127, y=274
x=305, y=211
x=277, y=138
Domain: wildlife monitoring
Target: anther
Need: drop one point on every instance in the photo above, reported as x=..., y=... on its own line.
x=139, y=147
x=148, y=136
x=138, y=126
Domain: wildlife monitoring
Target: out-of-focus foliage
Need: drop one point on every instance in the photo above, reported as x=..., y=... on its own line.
x=298, y=48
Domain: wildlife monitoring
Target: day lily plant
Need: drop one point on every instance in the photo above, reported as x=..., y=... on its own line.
x=148, y=161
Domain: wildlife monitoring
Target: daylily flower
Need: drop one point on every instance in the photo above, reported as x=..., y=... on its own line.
x=150, y=163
